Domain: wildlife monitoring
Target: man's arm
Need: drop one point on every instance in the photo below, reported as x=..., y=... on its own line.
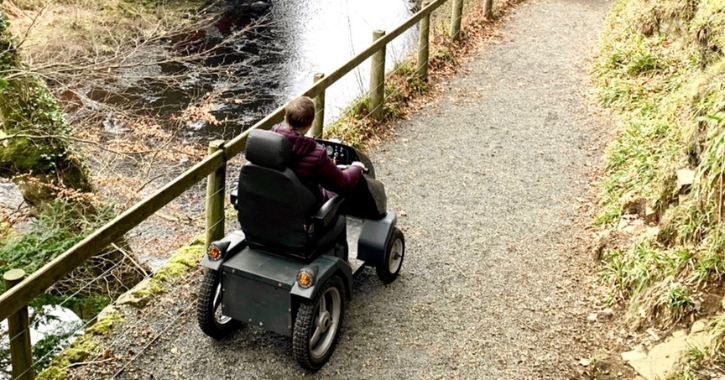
x=334, y=179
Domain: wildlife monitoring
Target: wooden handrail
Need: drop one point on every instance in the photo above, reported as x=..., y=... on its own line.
x=20, y=295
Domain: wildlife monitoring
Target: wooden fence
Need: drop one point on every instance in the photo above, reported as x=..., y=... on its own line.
x=21, y=290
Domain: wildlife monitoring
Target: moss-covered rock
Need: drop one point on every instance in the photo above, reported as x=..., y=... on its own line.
x=28, y=108
x=184, y=259
x=137, y=297
x=52, y=373
x=105, y=326
x=71, y=355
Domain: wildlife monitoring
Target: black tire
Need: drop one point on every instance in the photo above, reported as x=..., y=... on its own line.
x=312, y=352
x=208, y=307
x=394, y=254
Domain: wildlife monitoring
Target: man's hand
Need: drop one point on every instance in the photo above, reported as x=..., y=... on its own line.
x=360, y=164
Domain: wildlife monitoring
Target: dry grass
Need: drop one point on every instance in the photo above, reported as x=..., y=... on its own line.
x=661, y=68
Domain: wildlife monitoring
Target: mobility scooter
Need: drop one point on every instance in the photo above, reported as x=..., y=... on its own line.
x=288, y=269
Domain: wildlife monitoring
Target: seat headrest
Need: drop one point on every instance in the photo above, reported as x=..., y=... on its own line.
x=268, y=149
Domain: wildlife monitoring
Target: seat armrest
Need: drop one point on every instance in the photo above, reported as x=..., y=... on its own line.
x=328, y=211
x=233, y=198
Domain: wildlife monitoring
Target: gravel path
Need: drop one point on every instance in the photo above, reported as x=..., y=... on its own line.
x=492, y=286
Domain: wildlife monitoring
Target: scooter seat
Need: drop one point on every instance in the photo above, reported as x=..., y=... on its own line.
x=276, y=211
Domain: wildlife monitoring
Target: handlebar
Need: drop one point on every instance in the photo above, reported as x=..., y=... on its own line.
x=343, y=167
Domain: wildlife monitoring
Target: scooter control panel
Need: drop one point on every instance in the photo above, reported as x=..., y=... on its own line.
x=340, y=154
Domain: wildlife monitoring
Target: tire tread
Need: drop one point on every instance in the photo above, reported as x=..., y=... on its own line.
x=205, y=307
x=304, y=321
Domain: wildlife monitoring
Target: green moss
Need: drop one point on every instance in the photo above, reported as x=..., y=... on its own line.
x=52, y=373
x=200, y=239
x=85, y=343
x=155, y=287
x=184, y=259
x=70, y=356
x=106, y=325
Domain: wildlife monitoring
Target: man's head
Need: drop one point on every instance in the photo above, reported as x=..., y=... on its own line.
x=300, y=113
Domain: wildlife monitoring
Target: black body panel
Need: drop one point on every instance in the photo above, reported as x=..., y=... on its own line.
x=257, y=303
x=374, y=238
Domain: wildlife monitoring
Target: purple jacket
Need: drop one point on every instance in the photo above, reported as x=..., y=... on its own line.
x=314, y=167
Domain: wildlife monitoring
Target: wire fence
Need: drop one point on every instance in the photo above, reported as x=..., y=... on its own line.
x=118, y=336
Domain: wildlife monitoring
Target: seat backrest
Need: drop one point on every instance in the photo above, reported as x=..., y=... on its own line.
x=274, y=206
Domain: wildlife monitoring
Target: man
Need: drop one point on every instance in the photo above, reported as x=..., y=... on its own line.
x=310, y=161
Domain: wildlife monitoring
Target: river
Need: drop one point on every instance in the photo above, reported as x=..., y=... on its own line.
x=295, y=40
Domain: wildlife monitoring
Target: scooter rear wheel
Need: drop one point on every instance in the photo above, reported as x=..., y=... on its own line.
x=209, y=307
x=394, y=254
x=317, y=325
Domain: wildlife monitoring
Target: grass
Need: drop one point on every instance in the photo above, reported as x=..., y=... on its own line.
x=661, y=68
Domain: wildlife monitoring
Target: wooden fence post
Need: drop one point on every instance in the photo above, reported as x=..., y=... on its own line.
x=456, y=19
x=377, y=79
x=316, y=130
x=21, y=351
x=215, y=185
x=423, y=46
x=488, y=9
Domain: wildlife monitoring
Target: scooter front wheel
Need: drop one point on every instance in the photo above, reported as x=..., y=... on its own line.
x=317, y=325
x=209, y=307
x=394, y=254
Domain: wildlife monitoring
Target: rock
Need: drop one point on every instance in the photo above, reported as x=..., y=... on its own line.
x=607, y=313
x=137, y=297
x=650, y=215
x=260, y=7
x=699, y=326
x=651, y=233
x=633, y=226
x=109, y=311
x=592, y=317
x=633, y=355
x=653, y=334
x=585, y=362
x=662, y=360
x=685, y=178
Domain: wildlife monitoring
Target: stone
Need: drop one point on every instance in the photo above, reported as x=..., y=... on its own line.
x=592, y=317
x=260, y=7
x=651, y=233
x=109, y=311
x=52, y=373
x=137, y=297
x=650, y=215
x=662, y=360
x=699, y=326
x=633, y=355
x=606, y=313
x=685, y=178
